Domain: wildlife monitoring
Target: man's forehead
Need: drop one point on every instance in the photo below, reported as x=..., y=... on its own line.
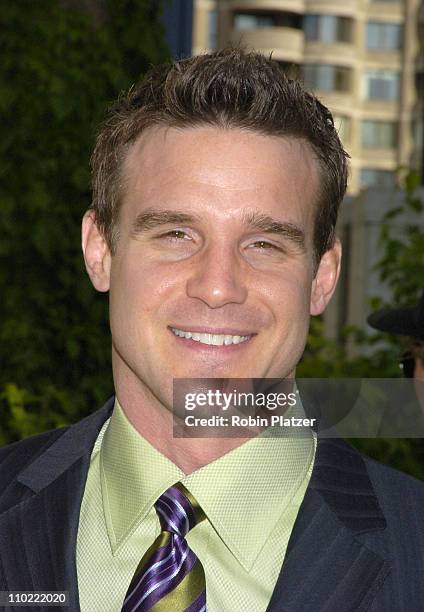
x=219, y=168
x=226, y=149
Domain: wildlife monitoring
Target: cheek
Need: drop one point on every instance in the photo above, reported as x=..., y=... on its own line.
x=291, y=295
x=138, y=290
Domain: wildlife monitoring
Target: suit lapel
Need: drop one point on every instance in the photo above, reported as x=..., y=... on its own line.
x=38, y=535
x=327, y=567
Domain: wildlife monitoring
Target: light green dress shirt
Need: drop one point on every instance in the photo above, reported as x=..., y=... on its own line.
x=251, y=497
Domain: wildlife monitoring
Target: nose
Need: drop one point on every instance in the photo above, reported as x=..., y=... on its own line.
x=217, y=277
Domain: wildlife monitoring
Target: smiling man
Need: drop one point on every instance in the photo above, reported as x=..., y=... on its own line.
x=215, y=238
x=216, y=186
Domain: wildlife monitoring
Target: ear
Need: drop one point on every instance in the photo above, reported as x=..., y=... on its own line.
x=325, y=281
x=96, y=252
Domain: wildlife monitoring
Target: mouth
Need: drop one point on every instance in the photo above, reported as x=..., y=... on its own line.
x=211, y=339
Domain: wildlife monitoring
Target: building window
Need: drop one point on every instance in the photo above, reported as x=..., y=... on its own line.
x=252, y=21
x=327, y=77
x=342, y=123
x=382, y=85
x=419, y=84
x=213, y=29
x=384, y=36
x=418, y=134
x=379, y=134
x=328, y=28
x=374, y=177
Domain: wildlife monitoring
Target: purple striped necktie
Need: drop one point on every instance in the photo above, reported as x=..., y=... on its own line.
x=170, y=577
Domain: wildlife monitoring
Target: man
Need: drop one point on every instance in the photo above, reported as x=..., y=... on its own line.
x=409, y=322
x=216, y=185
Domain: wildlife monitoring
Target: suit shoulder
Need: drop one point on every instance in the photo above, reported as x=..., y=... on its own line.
x=15, y=456
x=381, y=474
x=399, y=488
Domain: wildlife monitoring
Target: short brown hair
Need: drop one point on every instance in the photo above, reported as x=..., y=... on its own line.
x=228, y=88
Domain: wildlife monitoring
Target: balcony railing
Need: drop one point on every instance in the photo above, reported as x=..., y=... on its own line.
x=286, y=42
x=330, y=51
x=269, y=5
x=340, y=8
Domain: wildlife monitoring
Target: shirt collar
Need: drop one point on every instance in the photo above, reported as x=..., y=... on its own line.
x=245, y=491
x=133, y=475
x=248, y=490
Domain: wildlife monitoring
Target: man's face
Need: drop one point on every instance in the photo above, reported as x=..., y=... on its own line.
x=221, y=267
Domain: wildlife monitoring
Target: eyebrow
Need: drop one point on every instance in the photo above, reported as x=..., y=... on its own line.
x=152, y=218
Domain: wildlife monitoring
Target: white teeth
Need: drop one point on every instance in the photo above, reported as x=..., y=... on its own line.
x=214, y=339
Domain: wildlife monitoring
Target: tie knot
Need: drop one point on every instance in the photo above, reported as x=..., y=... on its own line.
x=178, y=510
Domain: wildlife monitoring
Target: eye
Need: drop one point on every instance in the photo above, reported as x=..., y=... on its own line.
x=264, y=246
x=174, y=235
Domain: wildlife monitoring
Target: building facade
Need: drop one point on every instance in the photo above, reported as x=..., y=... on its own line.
x=359, y=229
x=363, y=58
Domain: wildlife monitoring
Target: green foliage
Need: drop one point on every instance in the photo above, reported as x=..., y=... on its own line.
x=60, y=68
x=401, y=268
x=406, y=455
x=402, y=260
x=326, y=358
x=28, y=414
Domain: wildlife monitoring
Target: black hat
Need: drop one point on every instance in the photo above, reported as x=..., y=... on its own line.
x=407, y=321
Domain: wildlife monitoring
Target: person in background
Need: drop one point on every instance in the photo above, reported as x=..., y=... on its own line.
x=409, y=322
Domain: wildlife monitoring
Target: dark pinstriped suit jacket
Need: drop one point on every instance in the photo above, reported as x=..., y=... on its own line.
x=357, y=544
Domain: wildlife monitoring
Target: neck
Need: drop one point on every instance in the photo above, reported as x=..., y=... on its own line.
x=155, y=422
